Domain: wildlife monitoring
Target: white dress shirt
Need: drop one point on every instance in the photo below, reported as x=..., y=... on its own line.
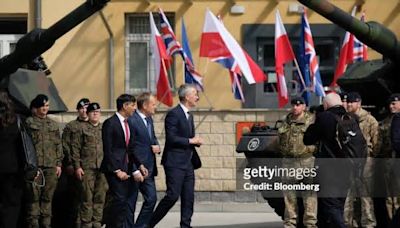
x=143, y=116
x=185, y=110
x=121, y=120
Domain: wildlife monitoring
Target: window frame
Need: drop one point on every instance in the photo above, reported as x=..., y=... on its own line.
x=145, y=38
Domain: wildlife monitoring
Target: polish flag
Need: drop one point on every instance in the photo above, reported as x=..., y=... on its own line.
x=160, y=57
x=283, y=54
x=346, y=54
x=217, y=42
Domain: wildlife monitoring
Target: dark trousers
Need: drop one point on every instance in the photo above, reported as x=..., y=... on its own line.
x=180, y=182
x=148, y=190
x=66, y=201
x=331, y=212
x=123, y=202
x=11, y=191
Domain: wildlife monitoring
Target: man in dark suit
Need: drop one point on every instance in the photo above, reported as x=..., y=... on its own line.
x=145, y=146
x=120, y=162
x=180, y=157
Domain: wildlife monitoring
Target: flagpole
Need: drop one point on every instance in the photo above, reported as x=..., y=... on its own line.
x=300, y=74
x=183, y=70
x=206, y=68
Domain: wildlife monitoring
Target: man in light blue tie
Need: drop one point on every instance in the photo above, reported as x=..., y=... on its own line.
x=146, y=147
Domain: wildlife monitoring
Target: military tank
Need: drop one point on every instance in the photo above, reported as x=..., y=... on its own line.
x=24, y=84
x=378, y=76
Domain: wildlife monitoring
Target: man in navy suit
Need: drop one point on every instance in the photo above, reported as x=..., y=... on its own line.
x=120, y=162
x=145, y=147
x=180, y=157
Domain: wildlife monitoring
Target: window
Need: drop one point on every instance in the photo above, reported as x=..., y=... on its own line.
x=139, y=64
x=7, y=44
x=11, y=30
x=258, y=40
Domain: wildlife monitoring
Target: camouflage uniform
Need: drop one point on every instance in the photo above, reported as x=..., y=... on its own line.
x=370, y=129
x=87, y=153
x=74, y=186
x=46, y=137
x=297, y=155
x=392, y=202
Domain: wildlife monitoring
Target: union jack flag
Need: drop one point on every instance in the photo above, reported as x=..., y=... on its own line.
x=171, y=43
x=191, y=75
x=359, y=49
x=235, y=75
x=312, y=58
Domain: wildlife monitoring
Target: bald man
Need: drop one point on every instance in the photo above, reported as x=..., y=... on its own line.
x=323, y=133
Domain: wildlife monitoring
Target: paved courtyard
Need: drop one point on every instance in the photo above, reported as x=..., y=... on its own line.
x=226, y=215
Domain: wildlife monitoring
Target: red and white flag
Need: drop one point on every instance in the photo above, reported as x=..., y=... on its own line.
x=346, y=55
x=160, y=57
x=283, y=54
x=217, y=42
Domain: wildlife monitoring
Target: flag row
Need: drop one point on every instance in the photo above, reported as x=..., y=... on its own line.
x=219, y=46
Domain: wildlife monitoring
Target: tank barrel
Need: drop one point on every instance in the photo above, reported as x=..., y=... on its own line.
x=38, y=41
x=372, y=34
x=74, y=18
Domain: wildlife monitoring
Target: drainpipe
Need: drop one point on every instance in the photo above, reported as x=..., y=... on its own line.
x=110, y=59
x=38, y=13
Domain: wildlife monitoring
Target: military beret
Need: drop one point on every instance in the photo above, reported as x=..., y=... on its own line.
x=297, y=100
x=343, y=96
x=394, y=97
x=353, y=97
x=39, y=101
x=82, y=102
x=92, y=107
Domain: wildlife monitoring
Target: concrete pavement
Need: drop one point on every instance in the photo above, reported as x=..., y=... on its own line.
x=225, y=215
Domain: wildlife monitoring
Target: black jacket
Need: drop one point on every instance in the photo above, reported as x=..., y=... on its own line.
x=395, y=134
x=142, y=142
x=115, y=149
x=178, y=152
x=323, y=131
x=11, y=151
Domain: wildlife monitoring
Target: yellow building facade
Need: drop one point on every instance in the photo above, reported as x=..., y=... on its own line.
x=80, y=60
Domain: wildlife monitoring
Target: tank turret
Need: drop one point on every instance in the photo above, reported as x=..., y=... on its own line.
x=24, y=85
x=374, y=80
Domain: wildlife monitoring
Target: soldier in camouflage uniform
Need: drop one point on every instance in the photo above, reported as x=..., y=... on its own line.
x=297, y=155
x=370, y=128
x=87, y=155
x=392, y=202
x=74, y=186
x=47, y=141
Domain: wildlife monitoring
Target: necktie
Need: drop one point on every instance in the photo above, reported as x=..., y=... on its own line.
x=148, y=125
x=190, y=121
x=127, y=135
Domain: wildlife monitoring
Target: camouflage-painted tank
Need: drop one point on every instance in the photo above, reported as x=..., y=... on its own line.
x=23, y=84
x=378, y=76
